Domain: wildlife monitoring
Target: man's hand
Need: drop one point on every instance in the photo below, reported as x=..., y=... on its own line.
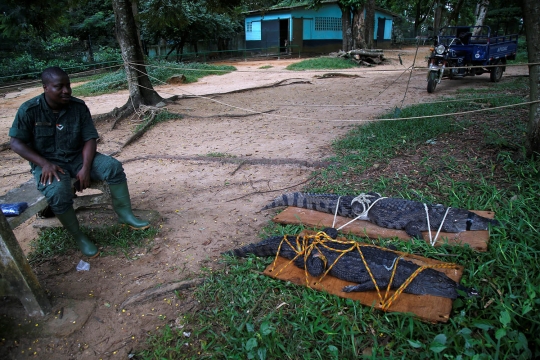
x=49, y=172
x=88, y=153
x=83, y=176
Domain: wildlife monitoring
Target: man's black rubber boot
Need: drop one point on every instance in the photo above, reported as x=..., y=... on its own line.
x=122, y=207
x=71, y=224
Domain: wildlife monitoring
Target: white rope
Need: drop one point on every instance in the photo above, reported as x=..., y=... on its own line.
x=255, y=112
x=440, y=227
x=434, y=240
x=393, y=263
x=362, y=214
x=428, y=225
x=335, y=214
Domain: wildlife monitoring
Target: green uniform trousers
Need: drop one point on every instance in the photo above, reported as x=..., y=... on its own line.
x=59, y=194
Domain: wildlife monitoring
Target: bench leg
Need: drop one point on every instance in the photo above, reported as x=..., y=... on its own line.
x=18, y=279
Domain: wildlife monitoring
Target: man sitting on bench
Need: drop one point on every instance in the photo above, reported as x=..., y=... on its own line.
x=55, y=133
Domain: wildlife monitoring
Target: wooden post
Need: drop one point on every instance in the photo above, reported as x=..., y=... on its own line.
x=18, y=279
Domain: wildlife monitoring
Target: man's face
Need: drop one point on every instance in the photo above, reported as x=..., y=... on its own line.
x=57, y=91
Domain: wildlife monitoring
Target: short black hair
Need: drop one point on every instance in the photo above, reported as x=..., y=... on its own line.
x=51, y=72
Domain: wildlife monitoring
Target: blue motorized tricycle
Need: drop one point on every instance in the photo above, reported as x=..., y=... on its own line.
x=460, y=51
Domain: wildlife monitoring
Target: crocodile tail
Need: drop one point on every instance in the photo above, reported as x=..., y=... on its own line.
x=297, y=199
x=319, y=202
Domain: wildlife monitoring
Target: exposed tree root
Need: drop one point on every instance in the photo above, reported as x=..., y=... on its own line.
x=275, y=84
x=228, y=115
x=18, y=173
x=333, y=75
x=268, y=191
x=128, y=109
x=5, y=146
x=161, y=291
x=140, y=133
x=231, y=160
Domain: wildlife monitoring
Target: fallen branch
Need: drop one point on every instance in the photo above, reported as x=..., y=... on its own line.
x=152, y=293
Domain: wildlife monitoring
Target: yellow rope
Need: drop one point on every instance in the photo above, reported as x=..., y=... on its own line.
x=305, y=245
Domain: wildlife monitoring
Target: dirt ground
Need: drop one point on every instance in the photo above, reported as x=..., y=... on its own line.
x=207, y=204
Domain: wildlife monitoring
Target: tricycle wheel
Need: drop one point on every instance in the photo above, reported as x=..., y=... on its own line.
x=432, y=82
x=496, y=72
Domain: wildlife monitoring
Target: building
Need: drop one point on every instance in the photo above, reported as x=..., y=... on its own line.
x=307, y=30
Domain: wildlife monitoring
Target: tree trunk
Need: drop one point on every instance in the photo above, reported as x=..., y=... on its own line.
x=359, y=29
x=481, y=11
x=369, y=23
x=531, y=17
x=346, y=30
x=454, y=15
x=438, y=15
x=422, y=10
x=141, y=91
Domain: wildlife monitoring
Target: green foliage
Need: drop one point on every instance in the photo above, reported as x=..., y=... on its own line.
x=158, y=72
x=57, y=43
x=188, y=22
x=247, y=315
x=31, y=18
x=322, y=63
x=111, y=240
x=107, y=54
x=522, y=55
x=27, y=66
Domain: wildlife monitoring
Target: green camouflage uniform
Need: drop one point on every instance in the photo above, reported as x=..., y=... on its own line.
x=59, y=138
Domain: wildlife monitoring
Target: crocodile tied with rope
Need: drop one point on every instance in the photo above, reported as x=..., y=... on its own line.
x=392, y=213
x=369, y=266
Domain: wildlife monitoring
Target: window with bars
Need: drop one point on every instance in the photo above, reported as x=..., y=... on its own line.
x=327, y=24
x=249, y=26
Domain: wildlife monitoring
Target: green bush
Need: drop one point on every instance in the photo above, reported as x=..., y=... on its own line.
x=158, y=71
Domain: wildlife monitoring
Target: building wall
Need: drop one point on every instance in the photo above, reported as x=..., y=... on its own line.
x=322, y=29
x=387, y=28
x=322, y=24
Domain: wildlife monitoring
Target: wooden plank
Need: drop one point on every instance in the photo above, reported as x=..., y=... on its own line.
x=18, y=278
x=426, y=307
x=36, y=201
x=478, y=240
x=28, y=193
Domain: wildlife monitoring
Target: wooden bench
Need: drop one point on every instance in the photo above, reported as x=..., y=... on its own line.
x=17, y=278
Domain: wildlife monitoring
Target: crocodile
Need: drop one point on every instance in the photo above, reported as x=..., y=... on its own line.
x=391, y=213
x=351, y=267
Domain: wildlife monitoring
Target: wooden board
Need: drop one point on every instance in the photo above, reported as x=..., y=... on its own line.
x=478, y=240
x=427, y=307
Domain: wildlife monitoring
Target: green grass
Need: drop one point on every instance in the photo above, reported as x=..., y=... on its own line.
x=112, y=240
x=158, y=71
x=247, y=315
x=220, y=155
x=266, y=67
x=323, y=63
x=522, y=54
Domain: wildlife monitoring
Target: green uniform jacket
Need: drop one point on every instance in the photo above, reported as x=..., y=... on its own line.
x=58, y=137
